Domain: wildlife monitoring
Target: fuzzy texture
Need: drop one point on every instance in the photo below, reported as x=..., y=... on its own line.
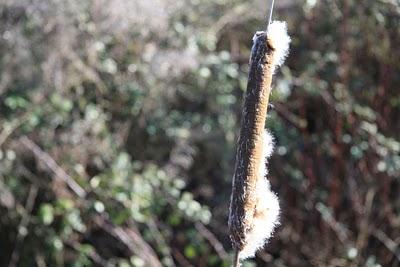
x=254, y=210
x=280, y=40
x=266, y=216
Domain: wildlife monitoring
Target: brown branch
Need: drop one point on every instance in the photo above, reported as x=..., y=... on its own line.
x=93, y=255
x=52, y=165
x=338, y=228
x=210, y=237
x=294, y=120
x=131, y=239
x=128, y=237
x=236, y=261
x=7, y=199
x=181, y=259
x=363, y=235
x=30, y=201
x=10, y=128
x=40, y=261
x=158, y=236
x=207, y=234
x=392, y=246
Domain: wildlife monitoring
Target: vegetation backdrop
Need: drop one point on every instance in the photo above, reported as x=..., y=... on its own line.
x=119, y=121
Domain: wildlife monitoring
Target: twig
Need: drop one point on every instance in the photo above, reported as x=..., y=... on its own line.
x=50, y=163
x=238, y=13
x=93, y=255
x=181, y=259
x=337, y=227
x=158, y=236
x=297, y=122
x=31, y=177
x=30, y=201
x=387, y=241
x=363, y=235
x=39, y=259
x=236, y=261
x=207, y=234
x=210, y=237
x=131, y=240
x=86, y=70
x=7, y=199
x=7, y=131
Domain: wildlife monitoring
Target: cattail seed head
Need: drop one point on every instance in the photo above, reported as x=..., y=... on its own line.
x=254, y=209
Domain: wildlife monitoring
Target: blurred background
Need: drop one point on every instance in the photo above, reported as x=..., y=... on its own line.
x=119, y=121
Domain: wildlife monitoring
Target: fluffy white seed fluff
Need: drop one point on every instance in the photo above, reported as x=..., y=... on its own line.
x=266, y=216
x=278, y=36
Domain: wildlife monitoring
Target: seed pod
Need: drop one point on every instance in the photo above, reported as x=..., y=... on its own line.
x=254, y=208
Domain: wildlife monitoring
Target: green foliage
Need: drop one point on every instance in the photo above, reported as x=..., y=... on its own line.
x=139, y=102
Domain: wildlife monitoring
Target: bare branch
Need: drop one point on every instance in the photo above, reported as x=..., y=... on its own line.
x=212, y=239
x=387, y=241
x=30, y=201
x=52, y=165
x=131, y=239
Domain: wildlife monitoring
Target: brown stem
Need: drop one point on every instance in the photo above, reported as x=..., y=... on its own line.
x=52, y=165
x=30, y=202
x=236, y=261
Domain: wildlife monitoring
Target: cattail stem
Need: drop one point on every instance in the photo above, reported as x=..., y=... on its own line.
x=236, y=261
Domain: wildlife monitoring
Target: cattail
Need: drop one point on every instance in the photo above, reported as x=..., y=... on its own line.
x=254, y=209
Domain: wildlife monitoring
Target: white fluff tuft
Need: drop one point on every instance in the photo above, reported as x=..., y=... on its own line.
x=265, y=220
x=268, y=145
x=266, y=216
x=266, y=213
x=268, y=148
x=279, y=38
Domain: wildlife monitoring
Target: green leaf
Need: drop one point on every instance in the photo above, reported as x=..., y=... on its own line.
x=46, y=214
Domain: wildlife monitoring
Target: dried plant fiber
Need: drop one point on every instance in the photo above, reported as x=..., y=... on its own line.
x=254, y=209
